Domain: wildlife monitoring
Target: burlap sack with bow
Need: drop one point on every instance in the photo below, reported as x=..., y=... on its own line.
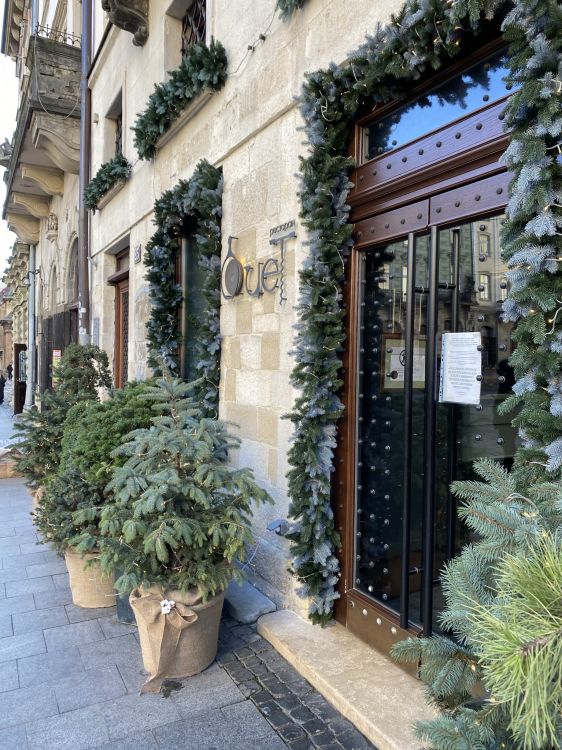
x=178, y=633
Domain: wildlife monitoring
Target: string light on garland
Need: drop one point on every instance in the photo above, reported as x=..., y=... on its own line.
x=199, y=199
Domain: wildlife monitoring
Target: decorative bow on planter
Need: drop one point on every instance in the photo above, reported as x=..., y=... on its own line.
x=163, y=621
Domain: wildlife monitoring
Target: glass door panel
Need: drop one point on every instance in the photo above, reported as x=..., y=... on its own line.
x=395, y=462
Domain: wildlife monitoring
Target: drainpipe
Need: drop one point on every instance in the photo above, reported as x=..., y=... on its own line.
x=30, y=385
x=34, y=16
x=85, y=140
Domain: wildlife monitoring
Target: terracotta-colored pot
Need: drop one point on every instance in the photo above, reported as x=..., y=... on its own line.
x=90, y=587
x=198, y=643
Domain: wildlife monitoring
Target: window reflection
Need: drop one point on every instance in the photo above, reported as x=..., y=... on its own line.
x=465, y=92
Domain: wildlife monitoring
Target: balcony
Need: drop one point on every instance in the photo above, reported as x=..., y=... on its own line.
x=46, y=141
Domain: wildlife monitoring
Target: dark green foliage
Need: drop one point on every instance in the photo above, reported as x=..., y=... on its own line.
x=181, y=514
x=106, y=177
x=65, y=493
x=39, y=432
x=81, y=372
x=200, y=200
x=288, y=7
x=201, y=68
x=70, y=508
x=518, y=641
x=498, y=605
x=94, y=429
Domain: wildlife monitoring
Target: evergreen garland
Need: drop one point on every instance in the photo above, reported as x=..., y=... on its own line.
x=288, y=7
x=107, y=176
x=201, y=68
x=198, y=199
x=423, y=36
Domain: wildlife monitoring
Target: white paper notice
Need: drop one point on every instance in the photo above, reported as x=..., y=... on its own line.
x=461, y=368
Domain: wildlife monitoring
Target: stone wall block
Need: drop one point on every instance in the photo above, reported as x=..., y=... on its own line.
x=268, y=421
x=270, y=350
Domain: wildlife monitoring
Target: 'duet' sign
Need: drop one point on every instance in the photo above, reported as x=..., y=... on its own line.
x=260, y=277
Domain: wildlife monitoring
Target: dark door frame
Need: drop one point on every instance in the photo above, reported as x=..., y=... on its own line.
x=464, y=181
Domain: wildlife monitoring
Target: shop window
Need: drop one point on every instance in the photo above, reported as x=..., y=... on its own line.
x=190, y=277
x=194, y=25
x=53, y=289
x=72, y=276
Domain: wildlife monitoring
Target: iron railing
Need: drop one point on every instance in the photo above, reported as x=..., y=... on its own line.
x=58, y=35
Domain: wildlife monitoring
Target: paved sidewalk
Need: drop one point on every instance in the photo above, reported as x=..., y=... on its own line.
x=70, y=677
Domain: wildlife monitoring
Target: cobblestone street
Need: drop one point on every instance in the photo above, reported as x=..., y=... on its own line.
x=70, y=677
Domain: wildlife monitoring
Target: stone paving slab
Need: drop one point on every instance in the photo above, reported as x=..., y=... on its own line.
x=70, y=677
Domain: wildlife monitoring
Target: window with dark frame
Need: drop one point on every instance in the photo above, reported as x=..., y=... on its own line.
x=119, y=134
x=190, y=278
x=120, y=280
x=194, y=25
x=114, y=128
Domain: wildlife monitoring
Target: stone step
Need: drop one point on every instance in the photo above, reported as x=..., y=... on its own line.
x=367, y=687
x=245, y=603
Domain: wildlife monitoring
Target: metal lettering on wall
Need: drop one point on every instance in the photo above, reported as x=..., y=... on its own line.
x=258, y=278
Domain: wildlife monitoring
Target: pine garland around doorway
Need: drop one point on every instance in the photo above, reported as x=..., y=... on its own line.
x=421, y=38
x=288, y=7
x=198, y=199
x=201, y=68
x=108, y=175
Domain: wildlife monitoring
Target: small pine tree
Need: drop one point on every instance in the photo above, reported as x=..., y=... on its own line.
x=510, y=523
x=74, y=495
x=181, y=515
x=82, y=371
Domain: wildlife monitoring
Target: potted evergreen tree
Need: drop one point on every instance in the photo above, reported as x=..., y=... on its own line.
x=69, y=512
x=82, y=372
x=177, y=528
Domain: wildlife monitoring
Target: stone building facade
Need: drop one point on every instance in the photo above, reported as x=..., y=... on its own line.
x=429, y=191
x=251, y=130
x=42, y=164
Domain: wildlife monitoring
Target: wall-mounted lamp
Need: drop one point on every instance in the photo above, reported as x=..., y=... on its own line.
x=26, y=281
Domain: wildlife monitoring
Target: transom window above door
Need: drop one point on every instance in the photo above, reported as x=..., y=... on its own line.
x=465, y=92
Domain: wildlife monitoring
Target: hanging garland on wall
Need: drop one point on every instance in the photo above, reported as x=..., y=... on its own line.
x=421, y=38
x=201, y=68
x=288, y=7
x=108, y=175
x=198, y=199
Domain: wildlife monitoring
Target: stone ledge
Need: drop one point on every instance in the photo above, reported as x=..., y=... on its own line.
x=370, y=690
x=111, y=193
x=189, y=113
x=245, y=603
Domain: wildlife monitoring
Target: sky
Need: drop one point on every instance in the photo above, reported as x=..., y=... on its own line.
x=8, y=108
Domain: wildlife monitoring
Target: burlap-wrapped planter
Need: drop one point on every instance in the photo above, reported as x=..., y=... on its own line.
x=37, y=495
x=90, y=587
x=178, y=633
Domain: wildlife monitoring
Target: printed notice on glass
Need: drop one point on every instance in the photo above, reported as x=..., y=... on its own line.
x=461, y=369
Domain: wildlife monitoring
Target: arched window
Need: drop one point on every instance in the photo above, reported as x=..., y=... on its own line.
x=53, y=289
x=72, y=274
